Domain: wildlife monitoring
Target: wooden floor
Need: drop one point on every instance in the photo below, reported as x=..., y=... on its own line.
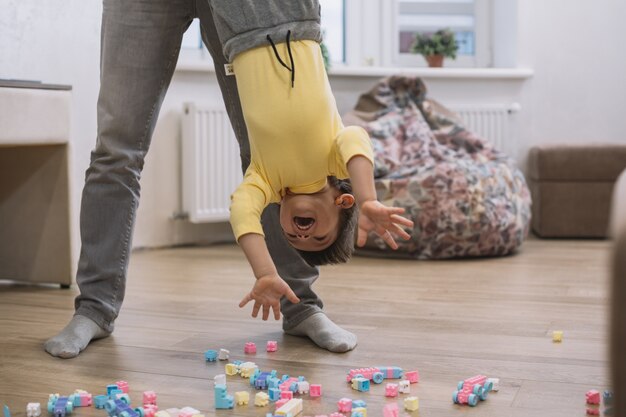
x=449, y=320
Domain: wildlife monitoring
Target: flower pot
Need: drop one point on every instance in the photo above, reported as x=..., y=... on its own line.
x=434, y=61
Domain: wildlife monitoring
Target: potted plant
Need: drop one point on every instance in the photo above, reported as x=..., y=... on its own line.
x=436, y=46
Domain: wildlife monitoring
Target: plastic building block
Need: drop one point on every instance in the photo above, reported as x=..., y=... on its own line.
x=370, y=373
x=123, y=397
x=249, y=347
x=222, y=399
x=100, y=400
x=273, y=382
x=59, y=406
x=391, y=410
x=361, y=384
x=362, y=411
x=607, y=397
x=274, y=394
x=557, y=336
x=289, y=384
x=593, y=411
x=7, y=411
x=123, y=385
x=391, y=372
x=173, y=412
x=210, y=355
x=471, y=390
x=315, y=390
x=247, y=368
x=82, y=398
x=412, y=376
x=231, y=369
x=358, y=404
x=261, y=399
x=261, y=381
x=344, y=405
x=223, y=355
x=411, y=403
x=188, y=412
x=33, y=410
x=303, y=387
x=293, y=407
x=272, y=346
x=150, y=410
x=286, y=394
x=495, y=384
x=391, y=390
x=593, y=397
x=404, y=386
x=113, y=394
x=119, y=408
x=336, y=415
x=280, y=402
x=356, y=414
x=242, y=397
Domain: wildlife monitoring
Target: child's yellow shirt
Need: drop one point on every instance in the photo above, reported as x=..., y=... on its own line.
x=296, y=135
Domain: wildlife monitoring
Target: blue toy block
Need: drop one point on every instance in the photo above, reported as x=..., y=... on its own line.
x=356, y=414
x=284, y=378
x=261, y=380
x=119, y=408
x=273, y=382
x=301, y=379
x=61, y=406
x=222, y=399
x=237, y=362
x=100, y=400
x=273, y=373
x=111, y=388
x=274, y=394
x=364, y=385
x=210, y=355
x=114, y=392
x=358, y=404
x=7, y=412
x=293, y=387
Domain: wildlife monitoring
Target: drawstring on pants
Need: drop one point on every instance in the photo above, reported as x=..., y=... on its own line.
x=291, y=69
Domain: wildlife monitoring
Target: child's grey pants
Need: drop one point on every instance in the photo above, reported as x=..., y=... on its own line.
x=140, y=42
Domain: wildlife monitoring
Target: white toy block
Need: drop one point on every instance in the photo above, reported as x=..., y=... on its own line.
x=219, y=379
x=223, y=355
x=33, y=409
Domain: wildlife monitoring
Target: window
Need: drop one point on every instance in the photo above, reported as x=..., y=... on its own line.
x=333, y=29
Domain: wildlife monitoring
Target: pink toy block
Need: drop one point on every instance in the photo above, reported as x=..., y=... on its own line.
x=391, y=410
x=315, y=390
x=344, y=405
x=281, y=402
x=272, y=346
x=336, y=415
x=123, y=385
x=84, y=398
x=412, y=376
x=391, y=390
x=286, y=394
x=285, y=386
x=472, y=390
x=149, y=397
x=593, y=411
x=150, y=410
x=593, y=397
x=250, y=347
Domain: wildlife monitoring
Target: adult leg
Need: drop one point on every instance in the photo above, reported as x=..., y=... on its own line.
x=305, y=318
x=140, y=41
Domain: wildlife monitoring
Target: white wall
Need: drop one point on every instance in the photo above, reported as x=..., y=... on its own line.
x=576, y=95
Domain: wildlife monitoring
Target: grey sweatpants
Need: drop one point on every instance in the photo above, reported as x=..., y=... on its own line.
x=140, y=42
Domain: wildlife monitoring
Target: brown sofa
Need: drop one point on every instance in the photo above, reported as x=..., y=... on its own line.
x=618, y=325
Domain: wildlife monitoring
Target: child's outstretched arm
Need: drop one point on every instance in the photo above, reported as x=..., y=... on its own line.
x=373, y=215
x=269, y=286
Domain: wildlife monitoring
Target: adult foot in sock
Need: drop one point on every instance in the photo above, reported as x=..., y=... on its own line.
x=326, y=334
x=74, y=337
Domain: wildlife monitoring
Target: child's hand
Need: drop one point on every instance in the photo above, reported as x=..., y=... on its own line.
x=267, y=292
x=383, y=220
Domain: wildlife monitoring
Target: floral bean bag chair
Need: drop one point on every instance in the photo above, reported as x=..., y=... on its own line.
x=466, y=198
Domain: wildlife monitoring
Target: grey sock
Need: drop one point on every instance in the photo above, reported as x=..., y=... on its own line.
x=326, y=334
x=74, y=337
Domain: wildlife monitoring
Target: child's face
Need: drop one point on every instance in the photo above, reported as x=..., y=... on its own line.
x=310, y=222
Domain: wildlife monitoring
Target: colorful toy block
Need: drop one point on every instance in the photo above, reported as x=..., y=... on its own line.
x=358, y=404
x=303, y=387
x=247, y=368
x=495, y=384
x=223, y=401
x=404, y=386
x=261, y=380
x=289, y=384
x=223, y=355
x=272, y=346
x=361, y=384
x=471, y=390
x=149, y=398
x=391, y=390
x=362, y=411
x=292, y=408
x=249, y=347
x=123, y=397
x=344, y=405
x=59, y=406
x=273, y=382
x=369, y=373
x=593, y=397
x=274, y=394
x=391, y=372
x=33, y=410
x=557, y=336
x=188, y=412
x=411, y=403
x=82, y=398
x=119, y=408
x=219, y=379
x=111, y=388
x=123, y=385
x=7, y=411
x=315, y=390
x=261, y=399
x=391, y=410
x=412, y=376
x=231, y=369
x=150, y=410
x=210, y=355
x=242, y=397
x=100, y=400
x=281, y=402
x=286, y=394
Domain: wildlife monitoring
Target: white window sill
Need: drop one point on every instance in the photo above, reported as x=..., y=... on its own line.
x=205, y=65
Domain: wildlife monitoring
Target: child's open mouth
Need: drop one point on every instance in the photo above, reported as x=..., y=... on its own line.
x=303, y=223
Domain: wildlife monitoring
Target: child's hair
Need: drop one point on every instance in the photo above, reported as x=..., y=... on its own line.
x=342, y=248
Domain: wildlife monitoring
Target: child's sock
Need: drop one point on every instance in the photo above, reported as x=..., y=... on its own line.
x=326, y=334
x=74, y=337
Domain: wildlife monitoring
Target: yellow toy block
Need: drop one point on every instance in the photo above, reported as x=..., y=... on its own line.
x=411, y=403
x=557, y=336
x=231, y=369
x=292, y=407
x=242, y=397
x=361, y=410
x=261, y=399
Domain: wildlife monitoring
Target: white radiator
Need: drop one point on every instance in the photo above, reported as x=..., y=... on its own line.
x=489, y=121
x=211, y=166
